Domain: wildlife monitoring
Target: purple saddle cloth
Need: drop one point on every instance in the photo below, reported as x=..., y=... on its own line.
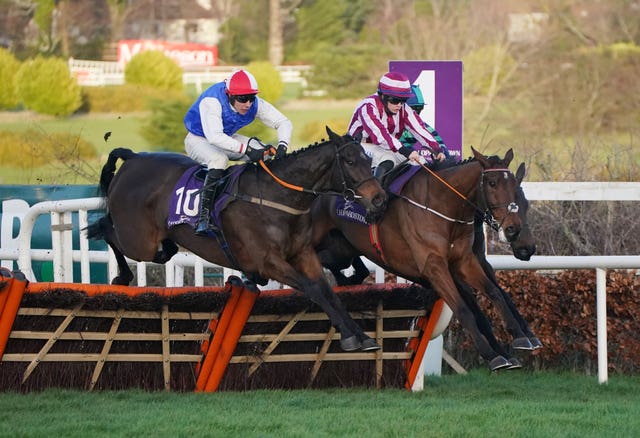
x=184, y=204
x=354, y=212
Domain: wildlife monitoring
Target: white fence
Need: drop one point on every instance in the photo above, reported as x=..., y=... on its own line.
x=62, y=255
x=99, y=73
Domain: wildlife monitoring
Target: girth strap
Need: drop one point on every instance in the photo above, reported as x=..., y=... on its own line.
x=374, y=238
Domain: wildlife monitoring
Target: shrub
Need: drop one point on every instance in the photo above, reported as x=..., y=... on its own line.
x=125, y=98
x=45, y=85
x=155, y=69
x=165, y=129
x=269, y=80
x=31, y=148
x=480, y=65
x=315, y=131
x=271, y=89
x=9, y=66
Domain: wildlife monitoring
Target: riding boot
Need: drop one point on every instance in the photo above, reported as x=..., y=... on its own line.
x=209, y=191
x=382, y=169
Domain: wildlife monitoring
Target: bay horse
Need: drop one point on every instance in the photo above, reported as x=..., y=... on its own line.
x=337, y=254
x=426, y=236
x=267, y=226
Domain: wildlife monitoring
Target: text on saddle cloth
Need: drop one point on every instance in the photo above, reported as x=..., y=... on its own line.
x=184, y=203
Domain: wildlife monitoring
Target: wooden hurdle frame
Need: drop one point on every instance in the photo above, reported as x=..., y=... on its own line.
x=218, y=343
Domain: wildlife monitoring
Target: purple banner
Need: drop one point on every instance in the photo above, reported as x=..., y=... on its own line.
x=441, y=86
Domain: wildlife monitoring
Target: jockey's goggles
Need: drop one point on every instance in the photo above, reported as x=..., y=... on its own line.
x=244, y=98
x=394, y=100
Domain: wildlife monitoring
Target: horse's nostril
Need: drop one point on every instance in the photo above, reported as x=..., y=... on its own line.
x=378, y=201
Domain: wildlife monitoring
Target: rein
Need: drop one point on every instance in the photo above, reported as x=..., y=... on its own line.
x=347, y=193
x=487, y=217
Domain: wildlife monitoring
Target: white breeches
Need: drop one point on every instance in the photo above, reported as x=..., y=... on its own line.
x=214, y=157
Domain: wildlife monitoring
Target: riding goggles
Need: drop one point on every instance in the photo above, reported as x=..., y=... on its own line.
x=394, y=100
x=244, y=98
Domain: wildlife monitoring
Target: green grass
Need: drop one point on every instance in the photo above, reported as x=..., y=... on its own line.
x=479, y=404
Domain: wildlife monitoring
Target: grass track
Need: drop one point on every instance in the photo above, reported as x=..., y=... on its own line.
x=480, y=404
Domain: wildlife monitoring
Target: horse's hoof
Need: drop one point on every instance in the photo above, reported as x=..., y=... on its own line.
x=522, y=344
x=369, y=344
x=350, y=344
x=119, y=282
x=515, y=364
x=234, y=280
x=498, y=363
x=250, y=285
x=535, y=342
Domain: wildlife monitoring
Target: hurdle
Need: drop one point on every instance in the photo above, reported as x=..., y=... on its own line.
x=204, y=339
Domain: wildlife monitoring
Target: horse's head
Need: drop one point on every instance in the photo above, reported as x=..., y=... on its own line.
x=498, y=188
x=524, y=245
x=352, y=173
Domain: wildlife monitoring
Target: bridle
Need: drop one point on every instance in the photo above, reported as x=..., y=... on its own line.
x=348, y=193
x=512, y=207
x=486, y=214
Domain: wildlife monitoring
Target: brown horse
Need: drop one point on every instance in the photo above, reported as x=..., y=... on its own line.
x=427, y=233
x=267, y=226
x=337, y=254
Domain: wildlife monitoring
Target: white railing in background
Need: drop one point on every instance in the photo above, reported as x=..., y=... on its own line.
x=63, y=256
x=100, y=73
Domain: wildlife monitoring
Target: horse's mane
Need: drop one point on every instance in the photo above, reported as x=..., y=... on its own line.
x=299, y=151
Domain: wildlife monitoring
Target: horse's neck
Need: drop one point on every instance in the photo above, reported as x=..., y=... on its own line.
x=464, y=179
x=311, y=170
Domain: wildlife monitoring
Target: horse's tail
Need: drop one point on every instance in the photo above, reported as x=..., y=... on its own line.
x=109, y=168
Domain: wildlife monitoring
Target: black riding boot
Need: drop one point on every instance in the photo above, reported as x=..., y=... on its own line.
x=382, y=169
x=210, y=188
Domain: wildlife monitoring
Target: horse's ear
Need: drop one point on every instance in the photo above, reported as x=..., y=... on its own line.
x=332, y=135
x=480, y=158
x=508, y=157
x=520, y=173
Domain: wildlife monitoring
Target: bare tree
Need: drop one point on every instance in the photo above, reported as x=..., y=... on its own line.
x=278, y=10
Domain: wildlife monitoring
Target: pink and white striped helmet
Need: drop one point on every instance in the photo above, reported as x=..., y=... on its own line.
x=395, y=84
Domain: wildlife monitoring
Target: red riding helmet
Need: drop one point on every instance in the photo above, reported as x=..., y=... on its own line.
x=241, y=82
x=395, y=84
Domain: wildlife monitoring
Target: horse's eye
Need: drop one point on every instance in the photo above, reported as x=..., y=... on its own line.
x=492, y=183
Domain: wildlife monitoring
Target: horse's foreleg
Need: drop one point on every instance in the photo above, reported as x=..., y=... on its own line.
x=305, y=274
x=436, y=274
x=490, y=273
x=472, y=273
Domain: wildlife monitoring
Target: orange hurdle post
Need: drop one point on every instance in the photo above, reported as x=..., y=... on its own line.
x=424, y=342
x=218, y=336
x=231, y=337
x=10, y=310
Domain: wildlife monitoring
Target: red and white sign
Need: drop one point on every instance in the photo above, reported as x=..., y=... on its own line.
x=187, y=55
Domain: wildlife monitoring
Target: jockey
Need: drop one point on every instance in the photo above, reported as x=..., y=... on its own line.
x=416, y=102
x=212, y=123
x=380, y=119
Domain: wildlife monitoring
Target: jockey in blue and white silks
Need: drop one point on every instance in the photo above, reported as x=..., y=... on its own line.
x=212, y=123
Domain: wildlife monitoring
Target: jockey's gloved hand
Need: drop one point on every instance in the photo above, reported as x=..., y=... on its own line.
x=254, y=155
x=445, y=151
x=406, y=151
x=282, y=150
